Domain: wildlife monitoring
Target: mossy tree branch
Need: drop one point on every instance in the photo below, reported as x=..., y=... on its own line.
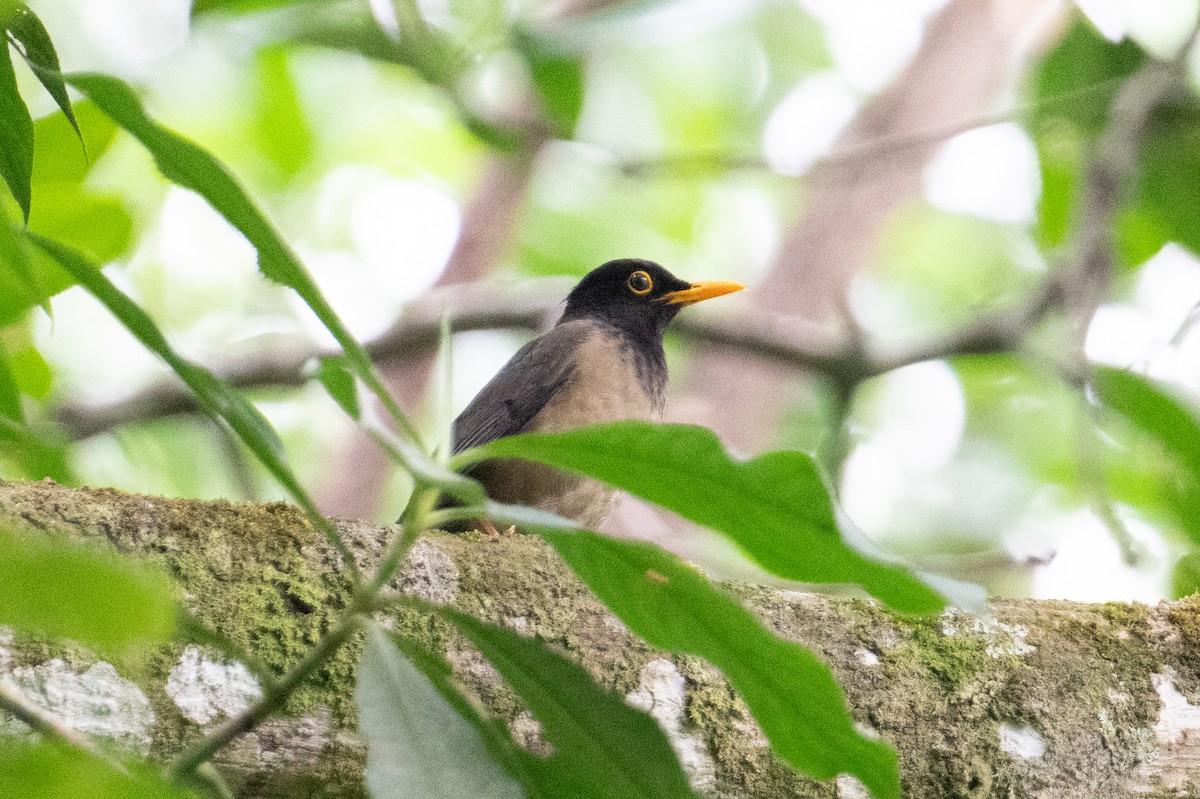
x=1049, y=698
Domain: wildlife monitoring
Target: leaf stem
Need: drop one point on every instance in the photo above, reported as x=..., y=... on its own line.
x=415, y=521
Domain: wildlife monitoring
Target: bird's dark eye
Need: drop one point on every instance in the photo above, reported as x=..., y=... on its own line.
x=640, y=283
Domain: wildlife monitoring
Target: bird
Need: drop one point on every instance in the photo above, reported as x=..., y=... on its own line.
x=602, y=361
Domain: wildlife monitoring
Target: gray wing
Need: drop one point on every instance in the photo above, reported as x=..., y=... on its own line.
x=522, y=388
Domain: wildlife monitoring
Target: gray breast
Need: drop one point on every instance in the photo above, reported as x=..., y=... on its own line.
x=613, y=379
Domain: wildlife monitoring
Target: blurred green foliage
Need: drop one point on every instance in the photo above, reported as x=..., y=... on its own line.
x=64, y=590
x=57, y=772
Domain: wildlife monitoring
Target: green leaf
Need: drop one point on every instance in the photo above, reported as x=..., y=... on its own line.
x=792, y=695
x=1140, y=234
x=418, y=743
x=1151, y=406
x=200, y=7
x=1060, y=150
x=353, y=32
x=558, y=76
x=57, y=156
x=16, y=269
x=1078, y=79
x=1074, y=88
x=51, y=771
x=603, y=748
x=1185, y=576
x=26, y=29
x=192, y=167
x=15, y=297
x=16, y=134
x=775, y=507
x=10, y=395
x=360, y=33
x=35, y=455
x=99, y=225
x=340, y=383
x=1166, y=204
x=1168, y=420
x=280, y=127
x=31, y=373
x=59, y=588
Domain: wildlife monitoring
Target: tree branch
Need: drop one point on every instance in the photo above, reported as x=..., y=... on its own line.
x=1053, y=699
x=480, y=306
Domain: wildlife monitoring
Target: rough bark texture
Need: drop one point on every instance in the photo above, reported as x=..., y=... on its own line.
x=1043, y=699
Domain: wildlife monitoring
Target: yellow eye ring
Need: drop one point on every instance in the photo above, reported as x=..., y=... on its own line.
x=640, y=283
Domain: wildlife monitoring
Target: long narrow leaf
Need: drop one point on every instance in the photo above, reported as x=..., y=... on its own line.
x=189, y=165
x=214, y=396
x=775, y=507
x=418, y=743
x=16, y=134
x=603, y=748
x=28, y=31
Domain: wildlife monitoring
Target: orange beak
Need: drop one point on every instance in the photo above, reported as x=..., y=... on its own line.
x=704, y=290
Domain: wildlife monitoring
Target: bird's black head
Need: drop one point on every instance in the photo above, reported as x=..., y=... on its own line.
x=637, y=296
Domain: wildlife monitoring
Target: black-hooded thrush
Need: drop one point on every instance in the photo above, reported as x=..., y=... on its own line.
x=602, y=362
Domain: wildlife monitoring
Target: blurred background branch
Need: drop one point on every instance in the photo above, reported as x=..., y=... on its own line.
x=485, y=306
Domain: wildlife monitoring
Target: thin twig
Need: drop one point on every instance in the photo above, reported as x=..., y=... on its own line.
x=1185, y=327
x=192, y=628
x=209, y=783
x=276, y=694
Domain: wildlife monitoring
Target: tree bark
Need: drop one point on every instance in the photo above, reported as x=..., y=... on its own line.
x=1045, y=699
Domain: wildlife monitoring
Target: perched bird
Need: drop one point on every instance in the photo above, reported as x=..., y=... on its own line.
x=603, y=361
